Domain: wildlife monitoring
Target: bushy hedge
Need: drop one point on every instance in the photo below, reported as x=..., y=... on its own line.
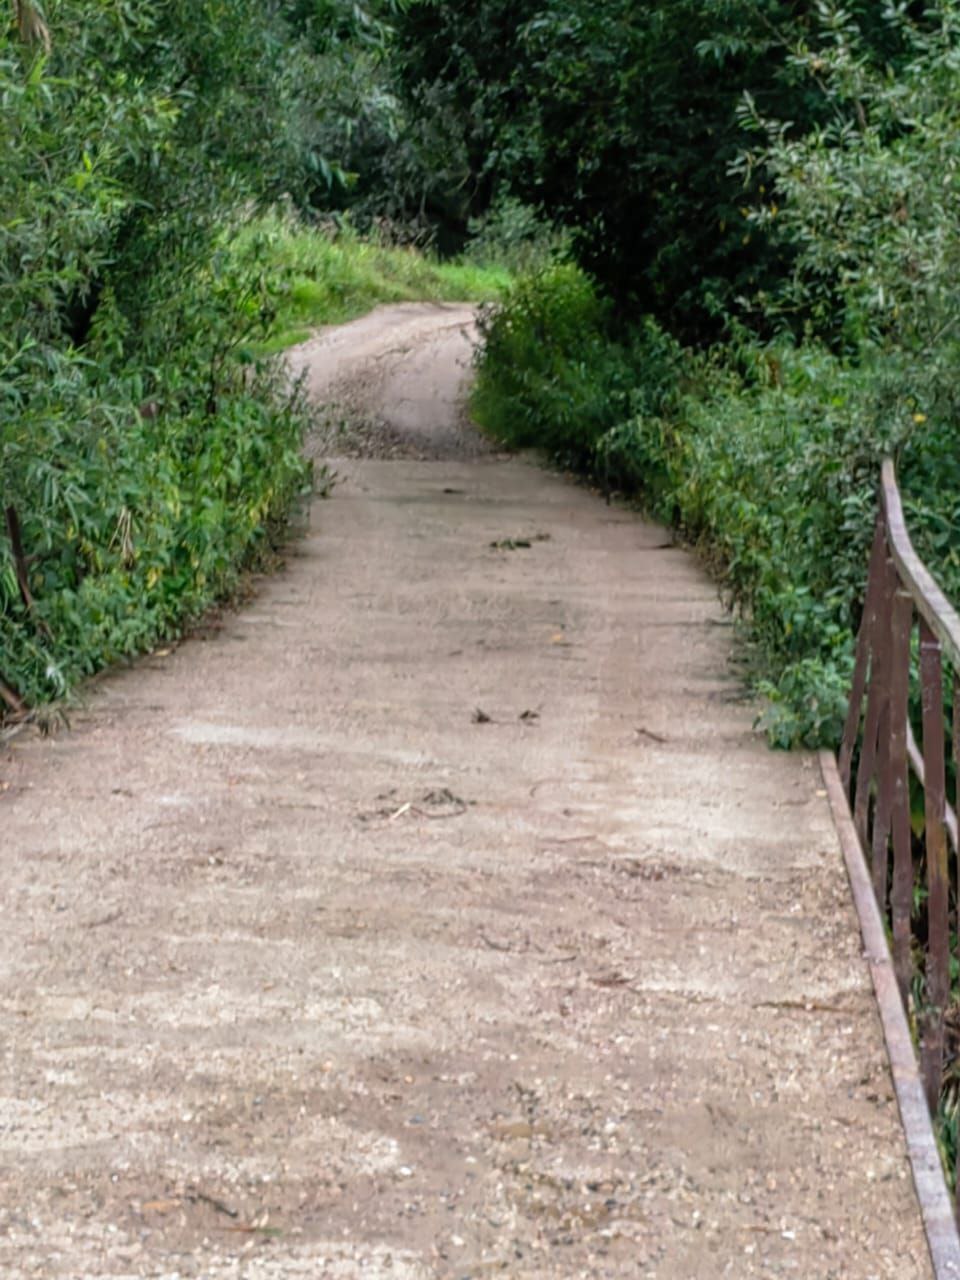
x=132, y=524
x=767, y=458
x=142, y=462
x=552, y=375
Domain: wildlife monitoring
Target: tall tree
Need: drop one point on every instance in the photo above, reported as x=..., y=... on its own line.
x=620, y=120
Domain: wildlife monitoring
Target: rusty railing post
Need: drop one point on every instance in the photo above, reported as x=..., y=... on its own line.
x=866, y=652
x=901, y=625
x=938, y=906
x=878, y=813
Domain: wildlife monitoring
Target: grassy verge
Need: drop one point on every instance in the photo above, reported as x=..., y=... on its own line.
x=316, y=277
x=767, y=458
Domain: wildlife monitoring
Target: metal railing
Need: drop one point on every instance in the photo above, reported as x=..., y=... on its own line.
x=909, y=629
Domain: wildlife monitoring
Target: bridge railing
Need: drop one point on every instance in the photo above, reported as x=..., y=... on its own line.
x=907, y=649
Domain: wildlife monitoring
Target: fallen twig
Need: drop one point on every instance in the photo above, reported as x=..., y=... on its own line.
x=495, y=946
x=447, y=805
x=214, y=1203
x=544, y=782
x=574, y=840
x=648, y=733
x=806, y=1006
x=439, y=817
x=611, y=980
x=99, y=923
x=248, y=1230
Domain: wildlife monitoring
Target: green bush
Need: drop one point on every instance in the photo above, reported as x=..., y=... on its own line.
x=515, y=236
x=767, y=459
x=133, y=522
x=550, y=373
x=144, y=463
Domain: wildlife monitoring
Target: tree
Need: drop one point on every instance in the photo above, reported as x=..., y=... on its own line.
x=620, y=120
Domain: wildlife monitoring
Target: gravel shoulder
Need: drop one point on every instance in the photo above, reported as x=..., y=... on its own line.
x=439, y=913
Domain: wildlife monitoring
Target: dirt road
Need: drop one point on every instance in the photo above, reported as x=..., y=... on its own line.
x=439, y=914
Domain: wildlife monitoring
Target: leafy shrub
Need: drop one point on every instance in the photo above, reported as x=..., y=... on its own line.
x=133, y=522
x=550, y=373
x=869, y=199
x=767, y=458
x=515, y=236
x=144, y=463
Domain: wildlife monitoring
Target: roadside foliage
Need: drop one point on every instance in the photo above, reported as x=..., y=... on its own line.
x=142, y=465
x=763, y=445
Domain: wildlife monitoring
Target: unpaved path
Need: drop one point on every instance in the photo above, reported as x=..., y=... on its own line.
x=393, y=384
x=304, y=971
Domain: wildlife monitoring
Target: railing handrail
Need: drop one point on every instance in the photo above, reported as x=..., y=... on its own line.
x=942, y=618
x=894, y=653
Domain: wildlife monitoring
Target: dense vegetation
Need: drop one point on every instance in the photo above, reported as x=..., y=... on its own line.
x=140, y=464
x=324, y=275
x=146, y=456
x=620, y=119
x=764, y=445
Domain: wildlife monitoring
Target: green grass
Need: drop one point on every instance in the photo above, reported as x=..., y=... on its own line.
x=315, y=277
